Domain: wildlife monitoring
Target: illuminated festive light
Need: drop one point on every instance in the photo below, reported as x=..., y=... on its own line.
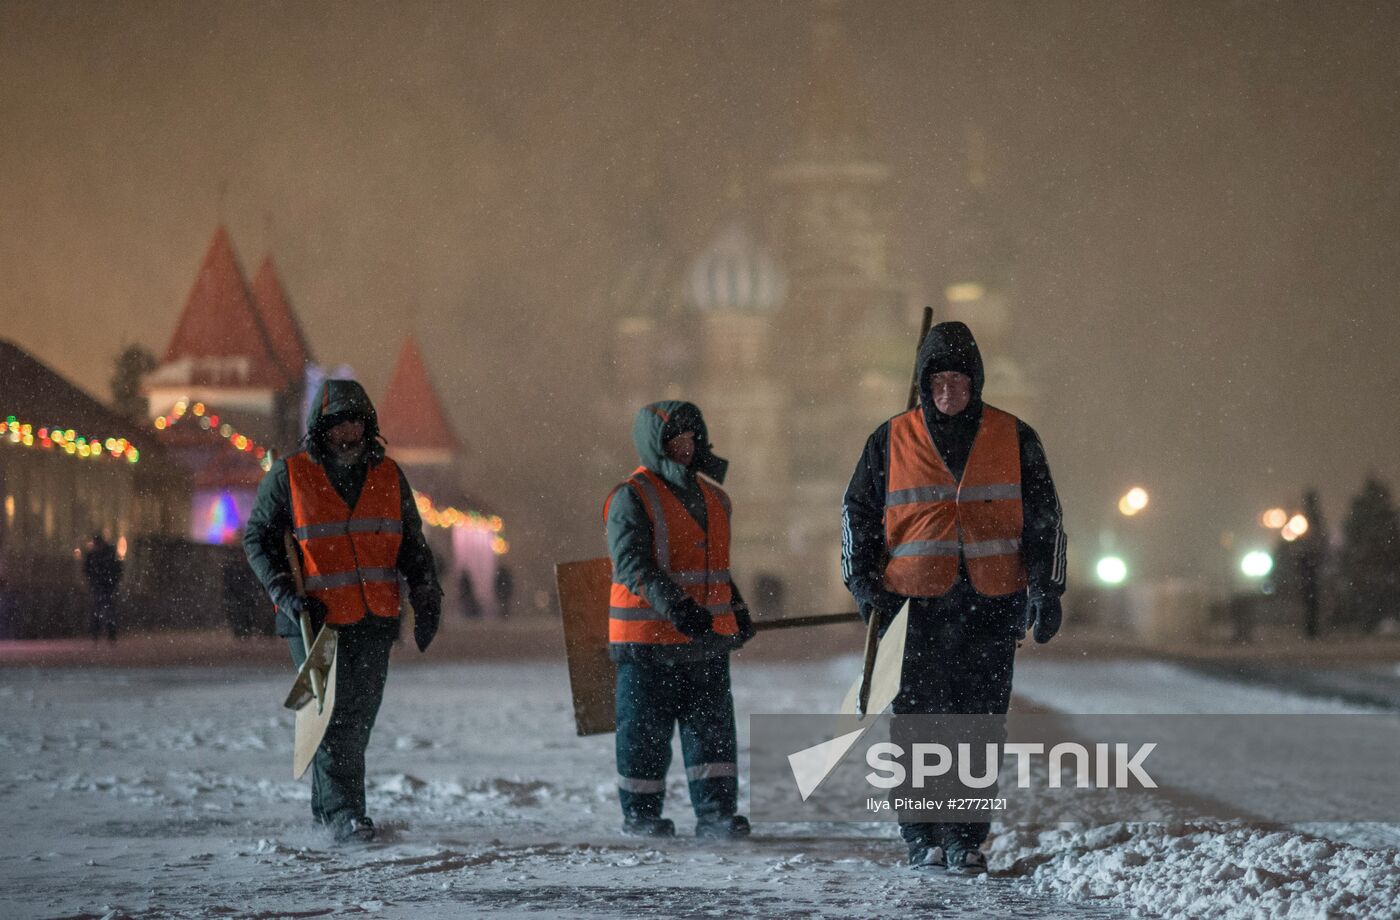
x=966, y=292
x=47, y=438
x=199, y=408
x=1111, y=570
x=1298, y=524
x=1274, y=518
x=1257, y=564
x=161, y=423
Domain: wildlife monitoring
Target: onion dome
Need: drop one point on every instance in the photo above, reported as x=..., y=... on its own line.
x=735, y=273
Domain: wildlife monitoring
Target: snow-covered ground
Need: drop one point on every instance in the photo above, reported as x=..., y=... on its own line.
x=168, y=793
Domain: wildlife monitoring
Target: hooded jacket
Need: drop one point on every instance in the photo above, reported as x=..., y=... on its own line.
x=629, y=529
x=271, y=516
x=951, y=347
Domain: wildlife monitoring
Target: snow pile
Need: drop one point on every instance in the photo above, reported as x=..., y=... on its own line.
x=1229, y=871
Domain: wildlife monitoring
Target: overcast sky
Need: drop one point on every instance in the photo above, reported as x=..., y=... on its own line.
x=1203, y=198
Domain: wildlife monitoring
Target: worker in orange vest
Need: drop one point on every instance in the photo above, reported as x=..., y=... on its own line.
x=952, y=507
x=674, y=617
x=357, y=530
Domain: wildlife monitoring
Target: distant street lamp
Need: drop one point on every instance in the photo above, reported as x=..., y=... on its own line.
x=1133, y=501
x=1111, y=570
x=1256, y=564
x=1274, y=518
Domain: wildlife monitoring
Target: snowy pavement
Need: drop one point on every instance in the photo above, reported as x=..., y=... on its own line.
x=152, y=793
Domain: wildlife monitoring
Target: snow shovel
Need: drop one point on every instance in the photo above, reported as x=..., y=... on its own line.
x=313, y=692
x=878, y=683
x=583, y=603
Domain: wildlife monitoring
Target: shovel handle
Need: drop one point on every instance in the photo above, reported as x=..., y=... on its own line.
x=816, y=619
x=867, y=671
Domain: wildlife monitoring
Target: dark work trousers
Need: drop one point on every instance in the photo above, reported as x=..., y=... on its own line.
x=103, y=618
x=958, y=659
x=338, y=768
x=651, y=699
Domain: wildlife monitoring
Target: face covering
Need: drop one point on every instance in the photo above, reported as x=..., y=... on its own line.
x=344, y=457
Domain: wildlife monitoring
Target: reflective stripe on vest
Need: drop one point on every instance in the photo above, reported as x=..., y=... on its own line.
x=350, y=556
x=696, y=559
x=933, y=520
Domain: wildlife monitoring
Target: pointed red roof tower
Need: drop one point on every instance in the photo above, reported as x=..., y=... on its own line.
x=219, y=338
x=247, y=370
x=279, y=321
x=411, y=416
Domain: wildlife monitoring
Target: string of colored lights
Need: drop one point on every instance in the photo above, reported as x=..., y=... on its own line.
x=432, y=515
x=52, y=437
x=210, y=422
x=453, y=517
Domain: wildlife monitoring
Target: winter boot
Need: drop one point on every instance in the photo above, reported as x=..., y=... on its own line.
x=641, y=826
x=354, y=830
x=966, y=859
x=925, y=855
x=724, y=827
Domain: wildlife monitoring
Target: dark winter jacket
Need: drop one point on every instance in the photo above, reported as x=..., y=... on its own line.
x=102, y=568
x=629, y=529
x=950, y=346
x=271, y=516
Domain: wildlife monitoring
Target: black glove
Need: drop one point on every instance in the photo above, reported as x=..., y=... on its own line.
x=691, y=619
x=427, y=611
x=741, y=616
x=284, y=594
x=1043, y=616
x=888, y=603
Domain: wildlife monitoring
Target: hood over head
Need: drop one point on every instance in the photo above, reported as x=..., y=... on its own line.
x=658, y=422
x=950, y=347
x=337, y=400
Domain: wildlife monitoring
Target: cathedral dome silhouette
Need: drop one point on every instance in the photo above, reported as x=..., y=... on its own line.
x=735, y=273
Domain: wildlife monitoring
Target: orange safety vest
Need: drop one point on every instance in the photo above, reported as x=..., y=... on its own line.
x=350, y=555
x=932, y=518
x=695, y=559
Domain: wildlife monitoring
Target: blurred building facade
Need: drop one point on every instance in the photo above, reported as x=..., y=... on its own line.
x=795, y=334
x=71, y=468
x=789, y=330
x=230, y=387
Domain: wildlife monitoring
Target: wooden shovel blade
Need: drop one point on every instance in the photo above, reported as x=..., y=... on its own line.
x=887, y=673
x=312, y=720
x=583, y=605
